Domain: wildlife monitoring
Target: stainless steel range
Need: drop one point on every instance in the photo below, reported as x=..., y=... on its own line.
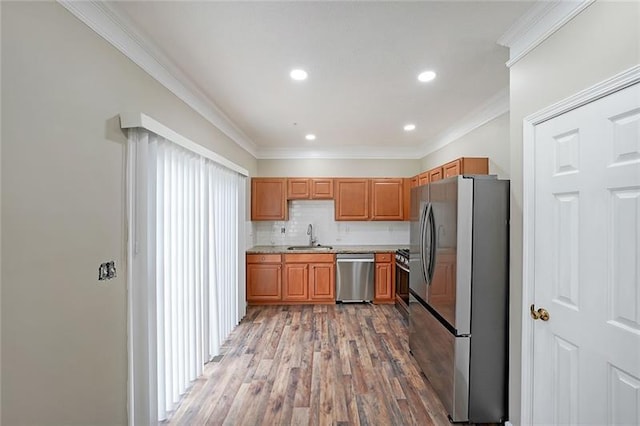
x=402, y=281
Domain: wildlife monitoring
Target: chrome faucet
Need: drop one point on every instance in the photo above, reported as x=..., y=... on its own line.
x=312, y=239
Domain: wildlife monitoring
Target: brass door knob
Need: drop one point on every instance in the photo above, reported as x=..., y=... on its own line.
x=541, y=313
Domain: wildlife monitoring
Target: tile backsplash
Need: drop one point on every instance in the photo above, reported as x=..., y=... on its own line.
x=325, y=228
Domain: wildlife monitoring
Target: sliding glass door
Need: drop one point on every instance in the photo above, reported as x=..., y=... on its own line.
x=186, y=231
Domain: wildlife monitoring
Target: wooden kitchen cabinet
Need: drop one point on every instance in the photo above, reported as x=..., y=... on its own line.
x=435, y=174
x=321, y=189
x=423, y=178
x=268, y=199
x=309, y=189
x=264, y=278
x=466, y=165
x=309, y=278
x=451, y=169
x=384, y=279
x=407, y=185
x=322, y=281
x=387, y=199
x=298, y=189
x=352, y=199
x=415, y=181
x=295, y=285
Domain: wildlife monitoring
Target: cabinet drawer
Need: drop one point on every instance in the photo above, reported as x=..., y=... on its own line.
x=264, y=258
x=309, y=258
x=384, y=257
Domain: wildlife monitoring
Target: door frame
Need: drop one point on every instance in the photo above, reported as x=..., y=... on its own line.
x=613, y=84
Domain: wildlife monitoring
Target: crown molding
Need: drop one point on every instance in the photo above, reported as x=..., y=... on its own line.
x=342, y=152
x=537, y=24
x=493, y=108
x=121, y=33
x=620, y=81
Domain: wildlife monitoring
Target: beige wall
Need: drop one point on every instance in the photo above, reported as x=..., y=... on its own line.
x=489, y=140
x=64, y=355
x=601, y=41
x=342, y=168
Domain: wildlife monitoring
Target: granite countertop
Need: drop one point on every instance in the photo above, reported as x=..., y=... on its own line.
x=334, y=249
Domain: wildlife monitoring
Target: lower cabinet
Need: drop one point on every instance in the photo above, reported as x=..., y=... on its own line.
x=264, y=278
x=309, y=278
x=296, y=282
x=322, y=282
x=384, y=280
x=291, y=278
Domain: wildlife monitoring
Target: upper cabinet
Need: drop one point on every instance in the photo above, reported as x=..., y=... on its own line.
x=435, y=174
x=371, y=199
x=408, y=184
x=460, y=166
x=309, y=189
x=298, y=189
x=423, y=178
x=352, y=199
x=387, y=199
x=268, y=199
x=355, y=198
x=321, y=188
x=466, y=165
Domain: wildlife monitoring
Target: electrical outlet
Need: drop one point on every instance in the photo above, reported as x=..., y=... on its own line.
x=107, y=271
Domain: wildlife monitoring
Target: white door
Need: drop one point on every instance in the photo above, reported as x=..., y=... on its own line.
x=586, y=357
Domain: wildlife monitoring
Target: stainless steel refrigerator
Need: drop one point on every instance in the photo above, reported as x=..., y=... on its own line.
x=458, y=307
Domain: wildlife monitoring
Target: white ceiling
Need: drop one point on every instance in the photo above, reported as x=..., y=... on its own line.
x=363, y=59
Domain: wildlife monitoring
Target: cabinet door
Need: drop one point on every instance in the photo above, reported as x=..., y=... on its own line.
x=264, y=282
x=451, y=169
x=268, y=199
x=423, y=178
x=474, y=166
x=384, y=282
x=322, y=189
x=322, y=281
x=435, y=174
x=296, y=282
x=406, y=210
x=298, y=189
x=352, y=199
x=415, y=181
x=387, y=199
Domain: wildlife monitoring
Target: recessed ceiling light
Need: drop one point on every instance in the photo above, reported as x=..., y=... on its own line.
x=409, y=127
x=426, y=76
x=298, y=74
x=310, y=137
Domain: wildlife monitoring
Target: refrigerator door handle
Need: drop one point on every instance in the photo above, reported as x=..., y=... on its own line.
x=426, y=247
x=423, y=260
x=433, y=242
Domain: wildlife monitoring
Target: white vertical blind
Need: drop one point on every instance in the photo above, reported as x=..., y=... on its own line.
x=188, y=265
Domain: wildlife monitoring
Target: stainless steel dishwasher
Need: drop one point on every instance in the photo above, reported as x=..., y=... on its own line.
x=355, y=277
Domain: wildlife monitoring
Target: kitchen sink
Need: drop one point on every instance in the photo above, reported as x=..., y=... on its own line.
x=309, y=247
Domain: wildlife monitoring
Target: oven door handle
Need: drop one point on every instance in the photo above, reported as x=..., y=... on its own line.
x=402, y=267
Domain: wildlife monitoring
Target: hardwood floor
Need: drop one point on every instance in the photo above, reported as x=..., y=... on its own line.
x=318, y=365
